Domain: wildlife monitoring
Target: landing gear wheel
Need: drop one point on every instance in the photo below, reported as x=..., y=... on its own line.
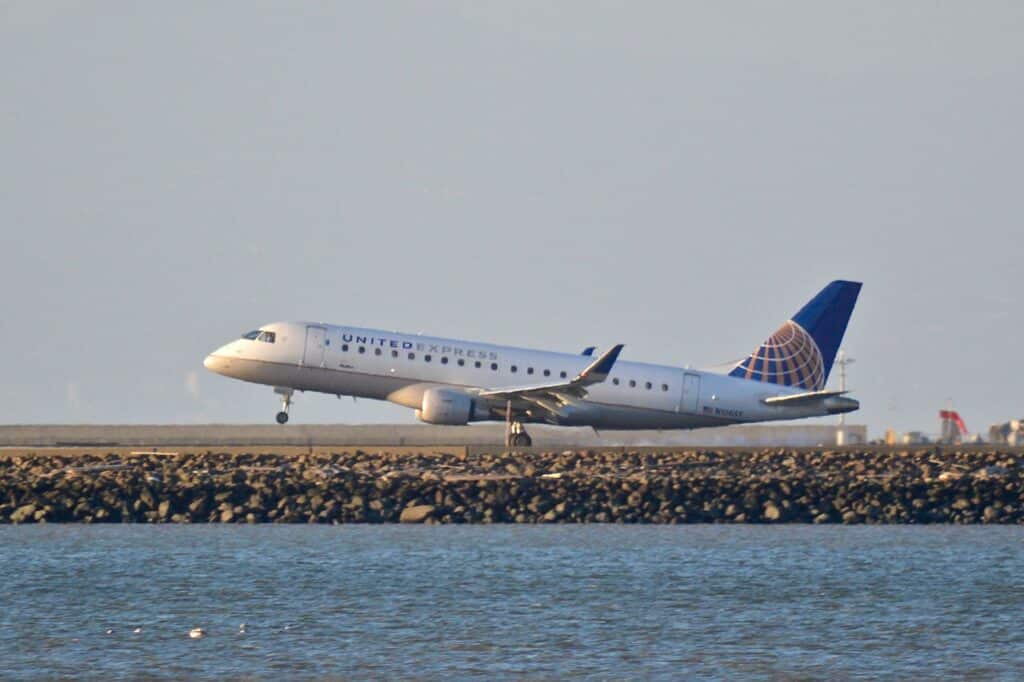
x=286, y=403
x=515, y=434
x=521, y=440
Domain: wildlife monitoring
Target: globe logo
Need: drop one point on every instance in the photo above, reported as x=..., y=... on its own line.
x=789, y=357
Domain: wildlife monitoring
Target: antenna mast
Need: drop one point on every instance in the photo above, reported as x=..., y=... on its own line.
x=842, y=360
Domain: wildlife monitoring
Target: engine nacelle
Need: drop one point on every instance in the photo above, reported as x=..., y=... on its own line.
x=444, y=406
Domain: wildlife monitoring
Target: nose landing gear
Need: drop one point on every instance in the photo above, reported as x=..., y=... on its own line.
x=286, y=403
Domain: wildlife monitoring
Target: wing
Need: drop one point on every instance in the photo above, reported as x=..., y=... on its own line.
x=553, y=397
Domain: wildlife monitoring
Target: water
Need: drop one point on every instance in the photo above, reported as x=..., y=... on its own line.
x=512, y=602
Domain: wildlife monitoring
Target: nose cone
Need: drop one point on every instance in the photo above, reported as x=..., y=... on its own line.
x=215, y=362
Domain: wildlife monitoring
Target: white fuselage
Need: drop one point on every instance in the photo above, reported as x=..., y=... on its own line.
x=400, y=368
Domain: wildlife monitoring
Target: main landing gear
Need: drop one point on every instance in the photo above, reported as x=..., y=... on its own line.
x=515, y=434
x=286, y=403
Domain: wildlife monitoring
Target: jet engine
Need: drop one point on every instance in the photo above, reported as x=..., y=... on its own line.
x=444, y=406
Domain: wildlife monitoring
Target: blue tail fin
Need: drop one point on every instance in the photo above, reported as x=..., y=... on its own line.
x=801, y=351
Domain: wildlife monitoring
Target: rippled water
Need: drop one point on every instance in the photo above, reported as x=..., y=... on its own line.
x=550, y=601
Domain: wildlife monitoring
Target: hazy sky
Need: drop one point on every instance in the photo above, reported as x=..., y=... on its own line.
x=680, y=177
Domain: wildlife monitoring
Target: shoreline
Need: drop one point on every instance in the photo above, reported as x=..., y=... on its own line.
x=458, y=485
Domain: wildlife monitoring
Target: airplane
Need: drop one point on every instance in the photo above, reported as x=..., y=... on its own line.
x=451, y=381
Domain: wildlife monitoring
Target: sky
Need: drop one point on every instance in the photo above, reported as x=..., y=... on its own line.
x=680, y=177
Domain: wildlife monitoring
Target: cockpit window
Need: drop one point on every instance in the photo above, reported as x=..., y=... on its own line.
x=260, y=335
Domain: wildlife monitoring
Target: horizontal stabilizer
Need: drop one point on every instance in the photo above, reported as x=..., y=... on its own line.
x=802, y=398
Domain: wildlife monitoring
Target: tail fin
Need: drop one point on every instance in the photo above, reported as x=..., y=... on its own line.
x=801, y=351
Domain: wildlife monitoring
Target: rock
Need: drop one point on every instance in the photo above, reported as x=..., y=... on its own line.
x=23, y=513
x=416, y=514
x=663, y=486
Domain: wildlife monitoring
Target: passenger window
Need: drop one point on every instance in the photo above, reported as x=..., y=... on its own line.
x=412, y=356
x=547, y=372
x=562, y=374
x=426, y=358
x=444, y=360
x=362, y=349
x=514, y=369
x=615, y=381
x=461, y=362
x=632, y=384
x=664, y=387
x=529, y=370
x=394, y=353
x=344, y=348
x=376, y=351
x=477, y=364
x=648, y=386
x=494, y=366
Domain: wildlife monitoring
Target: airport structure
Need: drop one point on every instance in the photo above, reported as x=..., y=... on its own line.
x=1007, y=433
x=952, y=426
x=412, y=435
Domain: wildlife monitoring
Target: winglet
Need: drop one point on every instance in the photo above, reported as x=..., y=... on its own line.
x=589, y=350
x=598, y=370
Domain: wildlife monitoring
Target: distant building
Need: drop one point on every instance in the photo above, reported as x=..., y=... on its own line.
x=953, y=428
x=915, y=438
x=1008, y=433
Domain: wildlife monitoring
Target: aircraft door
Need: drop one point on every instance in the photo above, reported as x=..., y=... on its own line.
x=691, y=393
x=316, y=338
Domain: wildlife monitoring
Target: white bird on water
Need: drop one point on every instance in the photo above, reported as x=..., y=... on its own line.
x=241, y=628
x=196, y=633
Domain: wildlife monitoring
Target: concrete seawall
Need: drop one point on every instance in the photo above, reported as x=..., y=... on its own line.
x=458, y=485
x=162, y=435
